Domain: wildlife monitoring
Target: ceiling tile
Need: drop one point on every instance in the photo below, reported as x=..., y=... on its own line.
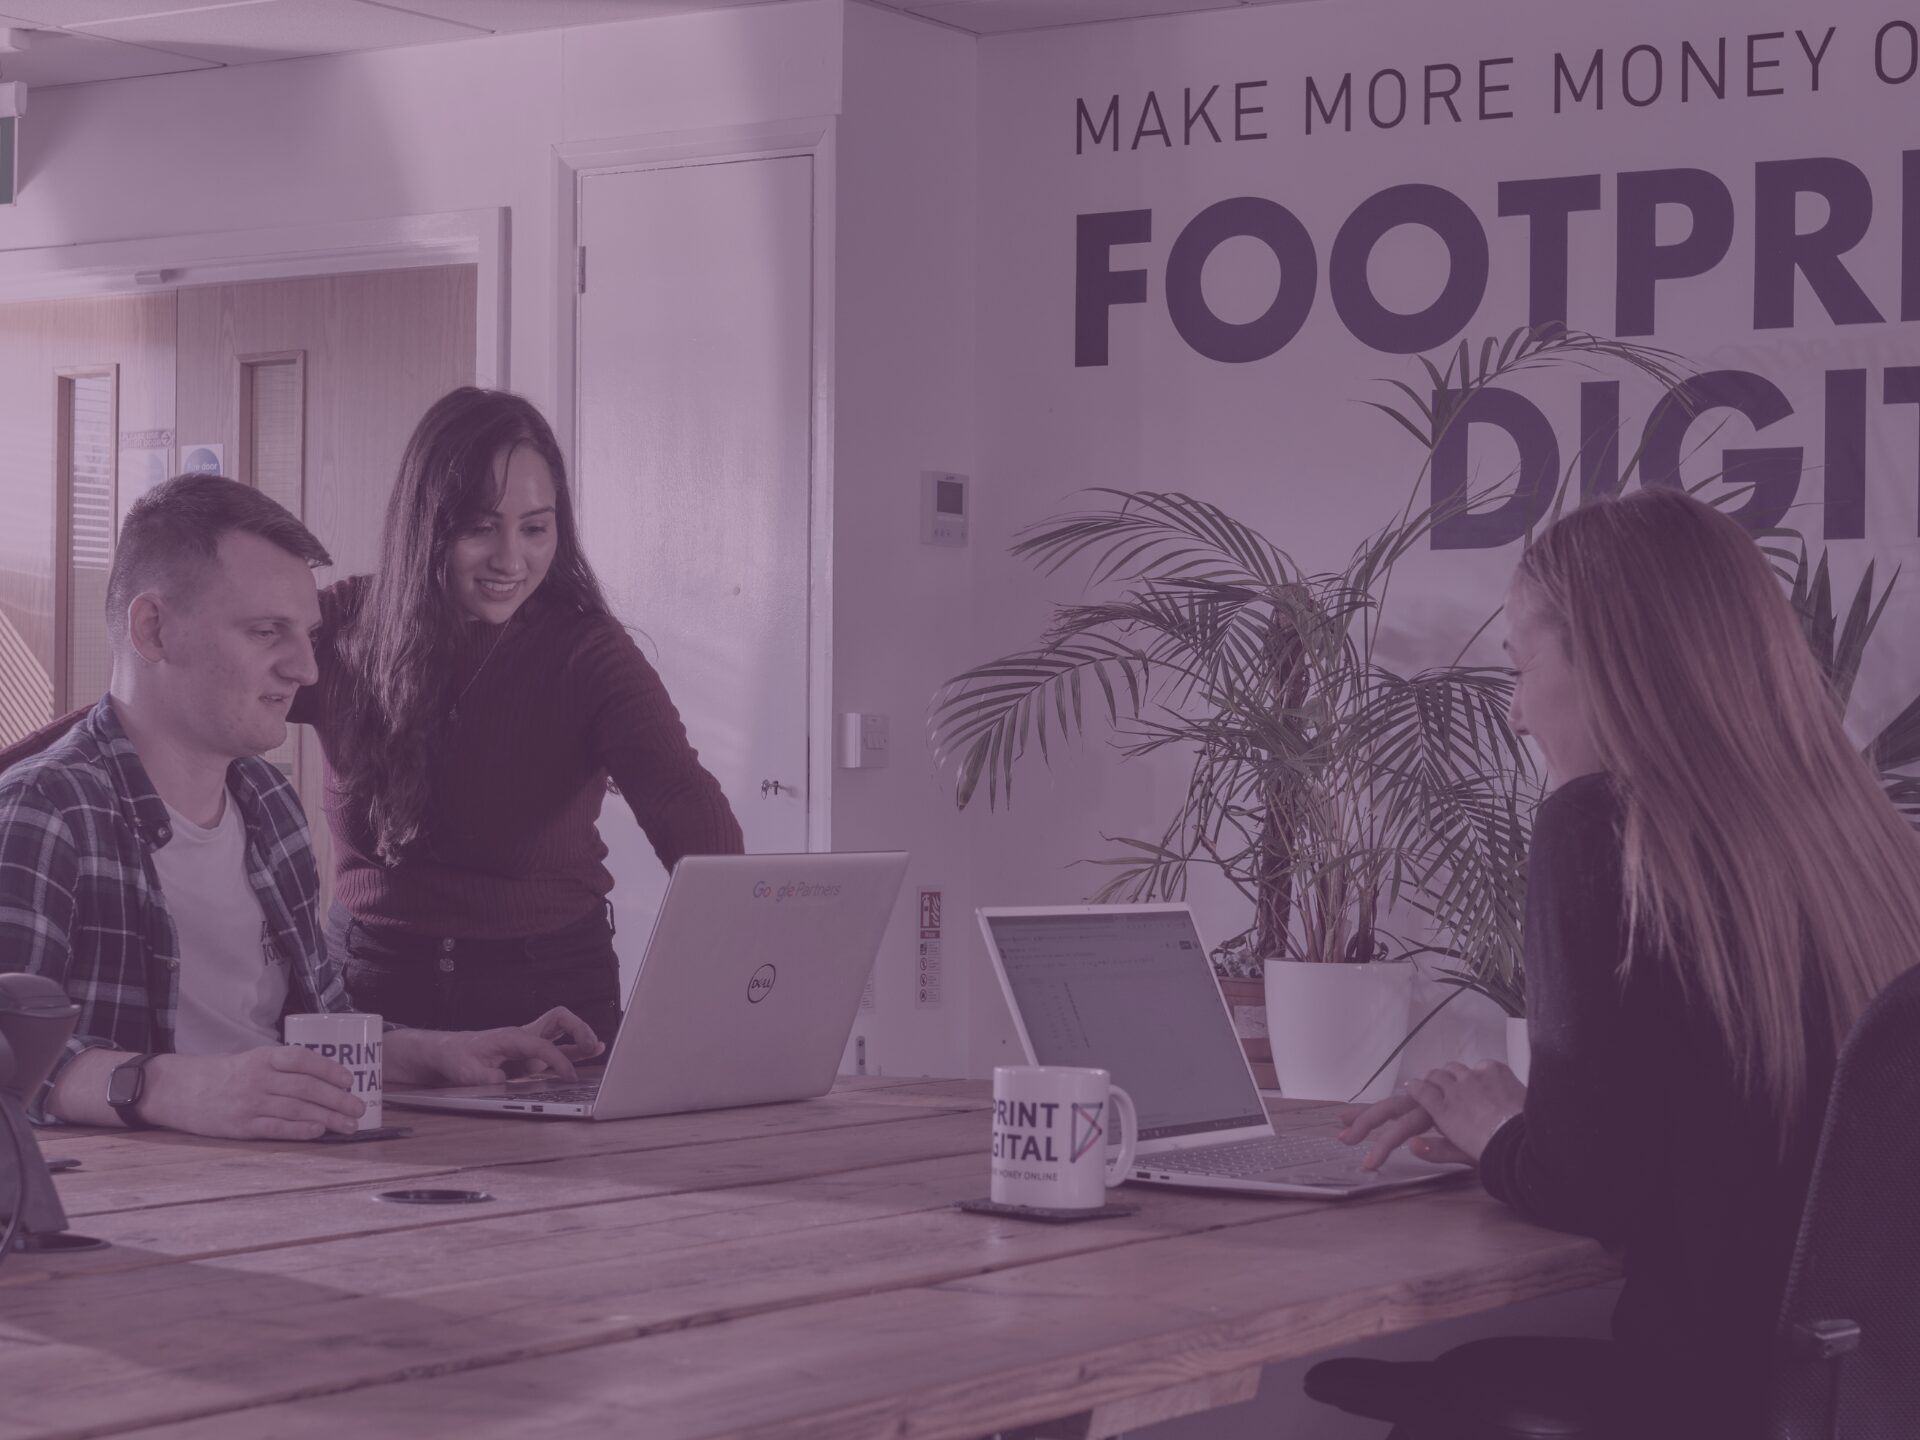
x=86, y=12
x=117, y=39
x=992, y=17
x=55, y=57
x=505, y=16
x=281, y=29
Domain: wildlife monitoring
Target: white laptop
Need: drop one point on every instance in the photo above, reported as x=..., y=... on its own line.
x=746, y=996
x=1128, y=989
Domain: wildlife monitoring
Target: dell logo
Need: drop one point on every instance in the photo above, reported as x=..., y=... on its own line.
x=760, y=985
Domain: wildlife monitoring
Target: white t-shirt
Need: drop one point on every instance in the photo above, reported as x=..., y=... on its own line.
x=233, y=987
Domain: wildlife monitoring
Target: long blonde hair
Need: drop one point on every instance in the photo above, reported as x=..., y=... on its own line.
x=1759, y=852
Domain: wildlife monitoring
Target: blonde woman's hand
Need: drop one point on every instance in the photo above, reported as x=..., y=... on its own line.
x=1388, y=1124
x=1446, y=1117
x=1467, y=1104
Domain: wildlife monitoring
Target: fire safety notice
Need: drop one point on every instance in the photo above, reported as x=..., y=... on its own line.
x=926, y=989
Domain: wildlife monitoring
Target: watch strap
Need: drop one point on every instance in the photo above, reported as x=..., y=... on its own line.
x=125, y=1096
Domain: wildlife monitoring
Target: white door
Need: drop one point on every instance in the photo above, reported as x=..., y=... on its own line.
x=695, y=372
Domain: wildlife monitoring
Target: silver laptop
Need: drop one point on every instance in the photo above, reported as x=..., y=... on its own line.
x=1128, y=988
x=747, y=993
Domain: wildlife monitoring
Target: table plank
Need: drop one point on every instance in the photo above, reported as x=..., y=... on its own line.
x=377, y=1307
x=1015, y=1346
x=144, y=1237
x=974, y=1094
x=778, y=1271
x=129, y=1172
x=855, y=1084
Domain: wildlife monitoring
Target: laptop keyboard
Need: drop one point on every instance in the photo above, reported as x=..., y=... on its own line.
x=1259, y=1159
x=558, y=1095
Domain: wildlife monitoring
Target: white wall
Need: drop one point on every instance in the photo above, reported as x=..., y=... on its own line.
x=467, y=125
x=956, y=195
x=904, y=342
x=1284, y=442
x=475, y=124
x=958, y=189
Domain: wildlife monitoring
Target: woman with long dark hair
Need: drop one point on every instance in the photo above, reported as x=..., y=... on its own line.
x=476, y=696
x=1717, y=888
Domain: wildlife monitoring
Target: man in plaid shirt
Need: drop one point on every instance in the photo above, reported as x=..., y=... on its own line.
x=211, y=606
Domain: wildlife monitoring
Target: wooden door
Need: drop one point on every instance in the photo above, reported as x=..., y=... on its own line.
x=111, y=360
x=359, y=358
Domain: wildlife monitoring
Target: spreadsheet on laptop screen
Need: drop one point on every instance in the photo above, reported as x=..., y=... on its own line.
x=1132, y=994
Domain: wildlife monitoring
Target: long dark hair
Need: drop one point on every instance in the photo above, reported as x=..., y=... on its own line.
x=400, y=651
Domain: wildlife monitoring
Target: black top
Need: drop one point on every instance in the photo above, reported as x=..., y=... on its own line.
x=546, y=709
x=1637, y=1130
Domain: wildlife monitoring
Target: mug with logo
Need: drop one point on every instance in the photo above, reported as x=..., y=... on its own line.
x=356, y=1042
x=1052, y=1125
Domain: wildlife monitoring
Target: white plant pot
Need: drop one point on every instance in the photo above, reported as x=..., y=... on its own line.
x=1332, y=1025
x=1519, y=1050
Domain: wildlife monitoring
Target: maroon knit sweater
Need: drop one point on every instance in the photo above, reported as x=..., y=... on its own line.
x=510, y=846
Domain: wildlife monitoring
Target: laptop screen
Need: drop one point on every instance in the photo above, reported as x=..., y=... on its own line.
x=1131, y=993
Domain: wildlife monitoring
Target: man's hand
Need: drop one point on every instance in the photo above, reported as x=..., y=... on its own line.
x=548, y=1046
x=277, y=1092
x=1465, y=1104
x=571, y=1035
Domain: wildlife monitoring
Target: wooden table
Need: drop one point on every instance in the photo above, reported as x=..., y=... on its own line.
x=792, y=1270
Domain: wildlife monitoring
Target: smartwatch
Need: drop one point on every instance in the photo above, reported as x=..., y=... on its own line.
x=125, y=1087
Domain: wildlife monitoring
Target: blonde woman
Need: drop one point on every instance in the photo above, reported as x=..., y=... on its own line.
x=1717, y=887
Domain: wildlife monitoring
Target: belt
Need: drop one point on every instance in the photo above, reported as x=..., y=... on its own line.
x=455, y=951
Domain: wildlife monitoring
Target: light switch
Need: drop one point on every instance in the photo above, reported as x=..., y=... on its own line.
x=861, y=742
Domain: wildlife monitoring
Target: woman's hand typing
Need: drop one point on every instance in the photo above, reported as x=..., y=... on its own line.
x=1463, y=1104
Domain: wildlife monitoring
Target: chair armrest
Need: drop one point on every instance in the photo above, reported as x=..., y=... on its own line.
x=1825, y=1339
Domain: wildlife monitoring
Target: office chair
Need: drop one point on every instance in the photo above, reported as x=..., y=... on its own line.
x=1848, y=1365
x=1850, y=1326
x=42, y=739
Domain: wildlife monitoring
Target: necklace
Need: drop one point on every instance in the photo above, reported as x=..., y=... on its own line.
x=453, y=710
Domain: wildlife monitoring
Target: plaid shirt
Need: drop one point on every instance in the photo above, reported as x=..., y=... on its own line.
x=80, y=900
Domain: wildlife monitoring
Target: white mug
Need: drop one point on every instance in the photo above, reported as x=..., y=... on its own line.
x=1051, y=1127
x=355, y=1041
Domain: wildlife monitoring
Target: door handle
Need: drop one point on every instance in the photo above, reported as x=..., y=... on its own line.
x=774, y=787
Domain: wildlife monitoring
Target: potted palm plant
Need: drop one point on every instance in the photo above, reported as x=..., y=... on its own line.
x=1369, y=817
x=1327, y=787
x=1839, y=646
x=1366, y=815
